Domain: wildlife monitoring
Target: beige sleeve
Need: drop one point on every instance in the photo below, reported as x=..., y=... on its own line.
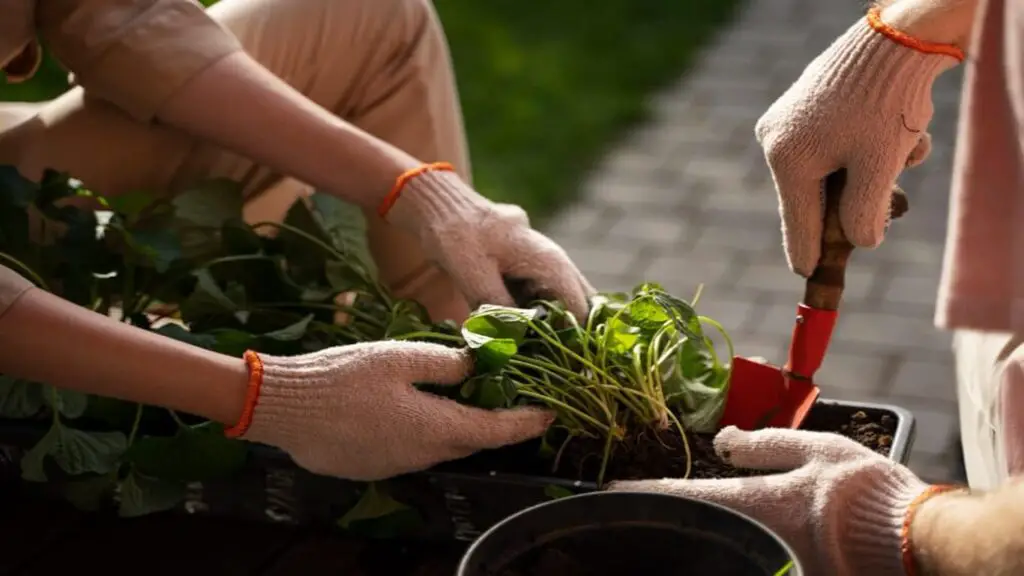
x=134, y=53
x=12, y=287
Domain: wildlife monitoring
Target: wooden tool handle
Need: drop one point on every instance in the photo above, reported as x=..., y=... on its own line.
x=824, y=289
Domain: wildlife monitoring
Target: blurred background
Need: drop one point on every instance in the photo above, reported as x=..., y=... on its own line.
x=625, y=128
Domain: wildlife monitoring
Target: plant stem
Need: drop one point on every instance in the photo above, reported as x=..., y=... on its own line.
x=24, y=268
x=136, y=423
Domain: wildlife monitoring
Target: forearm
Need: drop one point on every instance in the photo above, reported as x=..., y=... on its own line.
x=46, y=339
x=938, y=21
x=971, y=534
x=238, y=104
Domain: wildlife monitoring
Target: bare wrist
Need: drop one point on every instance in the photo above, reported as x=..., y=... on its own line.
x=933, y=21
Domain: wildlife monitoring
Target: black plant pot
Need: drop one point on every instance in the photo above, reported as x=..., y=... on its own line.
x=617, y=533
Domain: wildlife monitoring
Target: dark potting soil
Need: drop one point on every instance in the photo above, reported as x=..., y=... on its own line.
x=630, y=550
x=653, y=454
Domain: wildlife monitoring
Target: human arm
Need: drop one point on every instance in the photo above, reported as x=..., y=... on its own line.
x=44, y=338
x=347, y=411
x=937, y=21
x=169, y=61
x=843, y=508
x=967, y=534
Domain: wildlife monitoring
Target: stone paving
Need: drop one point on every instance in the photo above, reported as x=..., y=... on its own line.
x=687, y=199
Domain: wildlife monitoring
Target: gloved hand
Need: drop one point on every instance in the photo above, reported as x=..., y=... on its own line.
x=838, y=504
x=480, y=244
x=352, y=411
x=864, y=104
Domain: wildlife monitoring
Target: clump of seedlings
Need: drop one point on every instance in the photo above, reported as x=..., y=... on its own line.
x=192, y=270
x=639, y=362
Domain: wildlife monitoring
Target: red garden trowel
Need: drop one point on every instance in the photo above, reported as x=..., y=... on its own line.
x=761, y=395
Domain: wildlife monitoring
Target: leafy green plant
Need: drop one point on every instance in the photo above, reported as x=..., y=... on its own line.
x=192, y=270
x=639, y=360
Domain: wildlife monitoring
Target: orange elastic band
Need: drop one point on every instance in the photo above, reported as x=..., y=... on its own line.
x=875, y=21
x=396, y=191
x=906, y=547
x=252, y=395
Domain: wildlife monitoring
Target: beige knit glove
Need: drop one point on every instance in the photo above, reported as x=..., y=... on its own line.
x=864, y=104
x=839, y=505
x=481, y=244
x=352, y=411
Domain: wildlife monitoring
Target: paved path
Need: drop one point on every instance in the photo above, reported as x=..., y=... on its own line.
x=687, y=199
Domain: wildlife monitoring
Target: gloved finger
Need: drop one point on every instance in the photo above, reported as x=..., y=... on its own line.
x=480, y=280
x=867, y=198
x=801, y=209
x=921, y=151
x=762, y=497
x=549, y=271
x=423, y=362
x=783, y=448
x=463, y=430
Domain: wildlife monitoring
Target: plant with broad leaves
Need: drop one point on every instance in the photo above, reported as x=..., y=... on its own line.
x=192, y=270
x=640, y=360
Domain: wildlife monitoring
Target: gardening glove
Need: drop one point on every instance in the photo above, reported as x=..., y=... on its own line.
x=839, y=505
x=864, y=104
x=482, y=244
x=352, y=411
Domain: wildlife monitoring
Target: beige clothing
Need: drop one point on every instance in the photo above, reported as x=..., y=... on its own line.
x=981, y=295
x=382, y=65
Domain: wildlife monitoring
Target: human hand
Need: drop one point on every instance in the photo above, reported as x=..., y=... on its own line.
x=864, y=104
x=482, y=244
x=352, y=411
x=838, y=504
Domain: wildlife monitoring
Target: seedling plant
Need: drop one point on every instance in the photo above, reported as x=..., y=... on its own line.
x=192, y=270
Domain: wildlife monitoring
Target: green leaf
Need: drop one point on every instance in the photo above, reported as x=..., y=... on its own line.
x=90, y=493
x=75, y=451
x=620, y=337
x=130, y=205
x=195, y=454
x=377, y=514
x=159, y=247
x=239, y=238
x=555, y=492
x=232, y=342
x=346, y=226
x=489, y=391
x=291, y=333
x=207, y=299
x=16, y=191
x=69, y=403
x=210, y=203
x=495, y=333
x=141, y=495
x=19, y=399
x=178, y=332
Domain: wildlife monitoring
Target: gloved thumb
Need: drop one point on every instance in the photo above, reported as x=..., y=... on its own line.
x=783, y=449
x=864, y=206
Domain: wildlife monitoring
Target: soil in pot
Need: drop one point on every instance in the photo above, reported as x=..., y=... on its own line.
x=611, y=534
x=652, y=454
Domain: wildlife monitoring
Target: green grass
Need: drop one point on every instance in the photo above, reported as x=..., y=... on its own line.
x=545, y=86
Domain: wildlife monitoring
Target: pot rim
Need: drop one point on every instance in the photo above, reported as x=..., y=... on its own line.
x=795, y=570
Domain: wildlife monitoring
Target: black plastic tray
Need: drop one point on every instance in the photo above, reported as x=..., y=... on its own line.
x=451, y=503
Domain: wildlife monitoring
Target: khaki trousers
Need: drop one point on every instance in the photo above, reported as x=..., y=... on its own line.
x=990, y=394
x=382, y=65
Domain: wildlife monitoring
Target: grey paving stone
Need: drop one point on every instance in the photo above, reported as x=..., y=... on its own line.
x=684, y=273
x=936, y=429
x=773, y=278
x=662, y=231
x=934, y=381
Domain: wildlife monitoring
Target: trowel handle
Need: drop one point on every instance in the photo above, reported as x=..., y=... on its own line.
x=824, y=289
